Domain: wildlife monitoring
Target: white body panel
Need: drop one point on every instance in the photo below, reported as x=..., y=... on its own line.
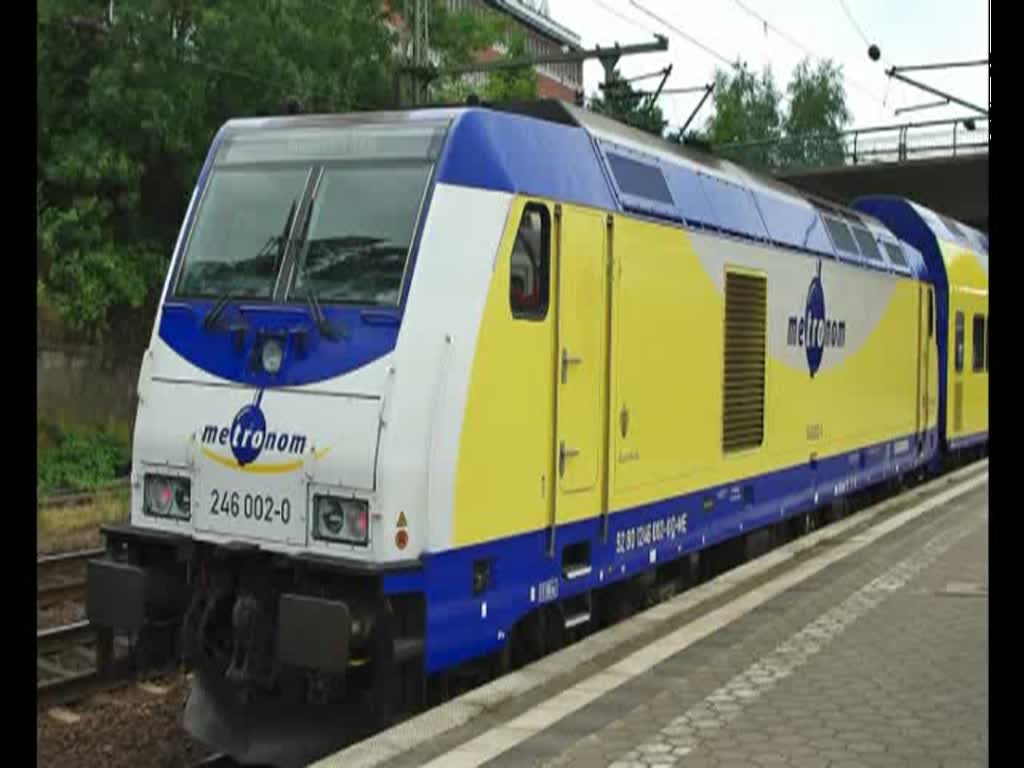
x=387, y=432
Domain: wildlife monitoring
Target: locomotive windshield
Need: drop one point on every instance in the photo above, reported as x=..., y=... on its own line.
x=328, y=211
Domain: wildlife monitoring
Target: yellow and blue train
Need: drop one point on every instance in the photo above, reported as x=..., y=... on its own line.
x=428, y=388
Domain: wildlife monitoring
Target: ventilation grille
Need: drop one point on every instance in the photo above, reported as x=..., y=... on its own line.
x=746, y=304
x=958, y=407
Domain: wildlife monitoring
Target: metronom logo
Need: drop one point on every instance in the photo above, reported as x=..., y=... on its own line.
x=814, y=330
x=248, y=436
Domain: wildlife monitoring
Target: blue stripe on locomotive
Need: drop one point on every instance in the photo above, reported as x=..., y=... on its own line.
x=459, y=628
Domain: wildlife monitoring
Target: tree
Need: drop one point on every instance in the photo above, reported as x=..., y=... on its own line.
x=127, y=109
x=512, y=84
x=456, y=38
x=747, y=109
x=465, y=36
x=806, y=131
x=816, y=116
x=625, y=104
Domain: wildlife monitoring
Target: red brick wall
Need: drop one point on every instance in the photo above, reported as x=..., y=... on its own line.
x=552, y=89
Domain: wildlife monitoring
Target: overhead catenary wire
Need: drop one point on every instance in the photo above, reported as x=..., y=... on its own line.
x=707, y=49
x=615, y=12
x=853, y=21
x=797, y=44
x=671, y=103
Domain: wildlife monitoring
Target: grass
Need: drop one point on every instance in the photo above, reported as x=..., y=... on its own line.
x=66, y=528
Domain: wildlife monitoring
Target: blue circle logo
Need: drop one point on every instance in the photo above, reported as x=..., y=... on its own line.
x=248, y=432
x=816, y=325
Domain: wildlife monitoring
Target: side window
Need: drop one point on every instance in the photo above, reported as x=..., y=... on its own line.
x=959, y=342
x=978, y=343
x=531, y=264
x=931, y=313
x=987, y=326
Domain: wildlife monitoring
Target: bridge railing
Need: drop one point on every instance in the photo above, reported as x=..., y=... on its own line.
x=861, y=146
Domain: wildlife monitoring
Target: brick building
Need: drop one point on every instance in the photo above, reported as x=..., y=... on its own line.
x=544, y=35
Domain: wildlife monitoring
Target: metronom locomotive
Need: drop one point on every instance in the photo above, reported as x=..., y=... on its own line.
x=439, y=388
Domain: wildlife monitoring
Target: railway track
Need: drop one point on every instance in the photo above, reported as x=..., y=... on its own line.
x=61, y=577
x=83, y=498
x=67, y=668
x=66, y=664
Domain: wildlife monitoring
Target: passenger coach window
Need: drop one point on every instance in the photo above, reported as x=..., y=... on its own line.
x=959, y=342
x=978, y=342
x=530, y=264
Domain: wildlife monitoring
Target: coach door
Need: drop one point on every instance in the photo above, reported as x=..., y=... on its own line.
x=581, y=367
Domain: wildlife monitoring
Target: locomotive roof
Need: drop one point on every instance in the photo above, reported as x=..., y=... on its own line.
x=556, y=150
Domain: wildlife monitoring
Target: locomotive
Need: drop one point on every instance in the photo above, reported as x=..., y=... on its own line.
x=431, y=389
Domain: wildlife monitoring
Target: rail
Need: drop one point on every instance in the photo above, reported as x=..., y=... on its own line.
x=84, y=497
x=862, y=146
x=54, y=584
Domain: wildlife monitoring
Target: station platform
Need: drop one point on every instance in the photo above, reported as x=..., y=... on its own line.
x=862, y=644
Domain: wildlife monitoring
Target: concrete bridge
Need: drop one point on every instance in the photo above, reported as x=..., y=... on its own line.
x=942, y=164
x=955, y=186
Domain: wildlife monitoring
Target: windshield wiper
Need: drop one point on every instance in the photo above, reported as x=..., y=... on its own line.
x=210, y=321
x=327, y=330
x=218, y=309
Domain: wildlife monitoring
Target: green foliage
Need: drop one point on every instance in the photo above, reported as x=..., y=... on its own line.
x=461, y=36
x=456, y=36
x=749, y=109
x=80, y=460
x=817, y=116
x=127, y=111
x=627, y=105
x=512, y=84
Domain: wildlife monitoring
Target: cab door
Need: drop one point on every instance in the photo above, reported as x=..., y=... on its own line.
x=581, y=366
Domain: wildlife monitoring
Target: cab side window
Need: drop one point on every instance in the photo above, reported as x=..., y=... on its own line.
x=959, y=342
x=530, y=266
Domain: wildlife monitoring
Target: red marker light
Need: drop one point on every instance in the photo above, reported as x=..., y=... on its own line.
x=401, y=539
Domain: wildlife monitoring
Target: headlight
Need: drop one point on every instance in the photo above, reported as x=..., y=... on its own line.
x=336, y=519
x=165, y=496
x=272, y=355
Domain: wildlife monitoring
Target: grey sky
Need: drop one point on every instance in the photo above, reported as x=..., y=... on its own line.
x=907, y=31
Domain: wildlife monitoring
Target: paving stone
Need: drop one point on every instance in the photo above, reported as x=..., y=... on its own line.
x=865, y=666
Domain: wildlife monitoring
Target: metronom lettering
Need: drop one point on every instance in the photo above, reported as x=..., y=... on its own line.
x=257, y=439
x=808, y=331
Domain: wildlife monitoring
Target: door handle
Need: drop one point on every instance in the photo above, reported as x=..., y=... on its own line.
x=567, y=360
x=563, y=454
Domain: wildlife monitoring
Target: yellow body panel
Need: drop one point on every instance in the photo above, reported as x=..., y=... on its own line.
x=669, y=325
x=503, y=479
x=663, y=421
x=581, y=363
x=968, y=293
